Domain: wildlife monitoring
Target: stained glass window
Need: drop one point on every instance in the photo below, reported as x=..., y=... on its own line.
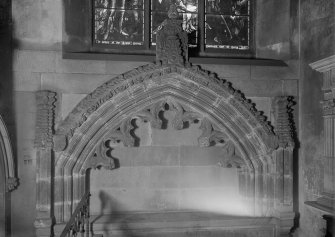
x=210, y=24
x=227, y=24
x=119, y=22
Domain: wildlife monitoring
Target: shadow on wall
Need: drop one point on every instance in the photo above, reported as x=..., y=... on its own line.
x=112, y=210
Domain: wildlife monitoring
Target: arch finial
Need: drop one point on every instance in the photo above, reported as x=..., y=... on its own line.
x=172, y=40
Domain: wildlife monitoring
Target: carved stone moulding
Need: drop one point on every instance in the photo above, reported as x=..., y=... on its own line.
x=143, y=78
x=45, y=119
x=107, y=113
x=284, y=125
x=11, y=181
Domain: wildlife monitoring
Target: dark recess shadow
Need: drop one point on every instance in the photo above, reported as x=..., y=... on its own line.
x=293, y=115
x=162, y=118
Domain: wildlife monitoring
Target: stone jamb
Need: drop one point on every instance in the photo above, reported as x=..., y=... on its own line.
x=43, y=143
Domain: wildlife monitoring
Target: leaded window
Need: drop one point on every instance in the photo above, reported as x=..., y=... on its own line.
x=212, y=25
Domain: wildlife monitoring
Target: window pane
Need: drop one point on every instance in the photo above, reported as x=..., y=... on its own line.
x=188, y=13
x=228, y=32
x=119, y=27
x=119, y=4
x=228, y=7
x=227, y=24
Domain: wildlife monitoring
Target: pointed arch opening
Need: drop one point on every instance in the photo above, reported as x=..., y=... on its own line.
x=107, y=113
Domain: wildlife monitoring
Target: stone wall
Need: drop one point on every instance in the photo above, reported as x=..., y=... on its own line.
x=169, y=171
x=317, y=42
x=38, y=65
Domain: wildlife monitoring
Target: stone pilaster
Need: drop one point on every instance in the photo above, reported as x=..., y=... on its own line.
x=326, y=202
x=44, y=161
x=283, y=155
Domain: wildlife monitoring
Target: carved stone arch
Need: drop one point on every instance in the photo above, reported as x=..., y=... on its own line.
x=8, y=180
x=6, y=153
x=111, y=105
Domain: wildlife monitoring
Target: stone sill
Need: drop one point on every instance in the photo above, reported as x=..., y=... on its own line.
x=320, y=207
x=194, y=60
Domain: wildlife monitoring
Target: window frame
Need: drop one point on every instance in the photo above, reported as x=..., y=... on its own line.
x=78, y=34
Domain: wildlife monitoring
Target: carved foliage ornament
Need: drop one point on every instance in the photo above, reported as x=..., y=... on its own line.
x=328, y=107
x=11, y=183
x=284, y=125
x=45, y=119
x=124, y=133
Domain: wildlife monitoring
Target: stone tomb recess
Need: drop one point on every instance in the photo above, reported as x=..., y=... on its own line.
x=183, y=154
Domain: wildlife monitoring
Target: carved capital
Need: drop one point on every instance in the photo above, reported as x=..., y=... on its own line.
x=328, y=107
x=44, y=119
x=284, y=127
x=11, y=184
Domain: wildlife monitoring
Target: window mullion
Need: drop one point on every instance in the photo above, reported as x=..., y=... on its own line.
x=201, y=26
x=147, y=23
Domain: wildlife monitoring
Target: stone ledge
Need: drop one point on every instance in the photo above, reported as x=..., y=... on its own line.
x=195, y=60
x=324, y=65
x=183, y=223
x=320, y=207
